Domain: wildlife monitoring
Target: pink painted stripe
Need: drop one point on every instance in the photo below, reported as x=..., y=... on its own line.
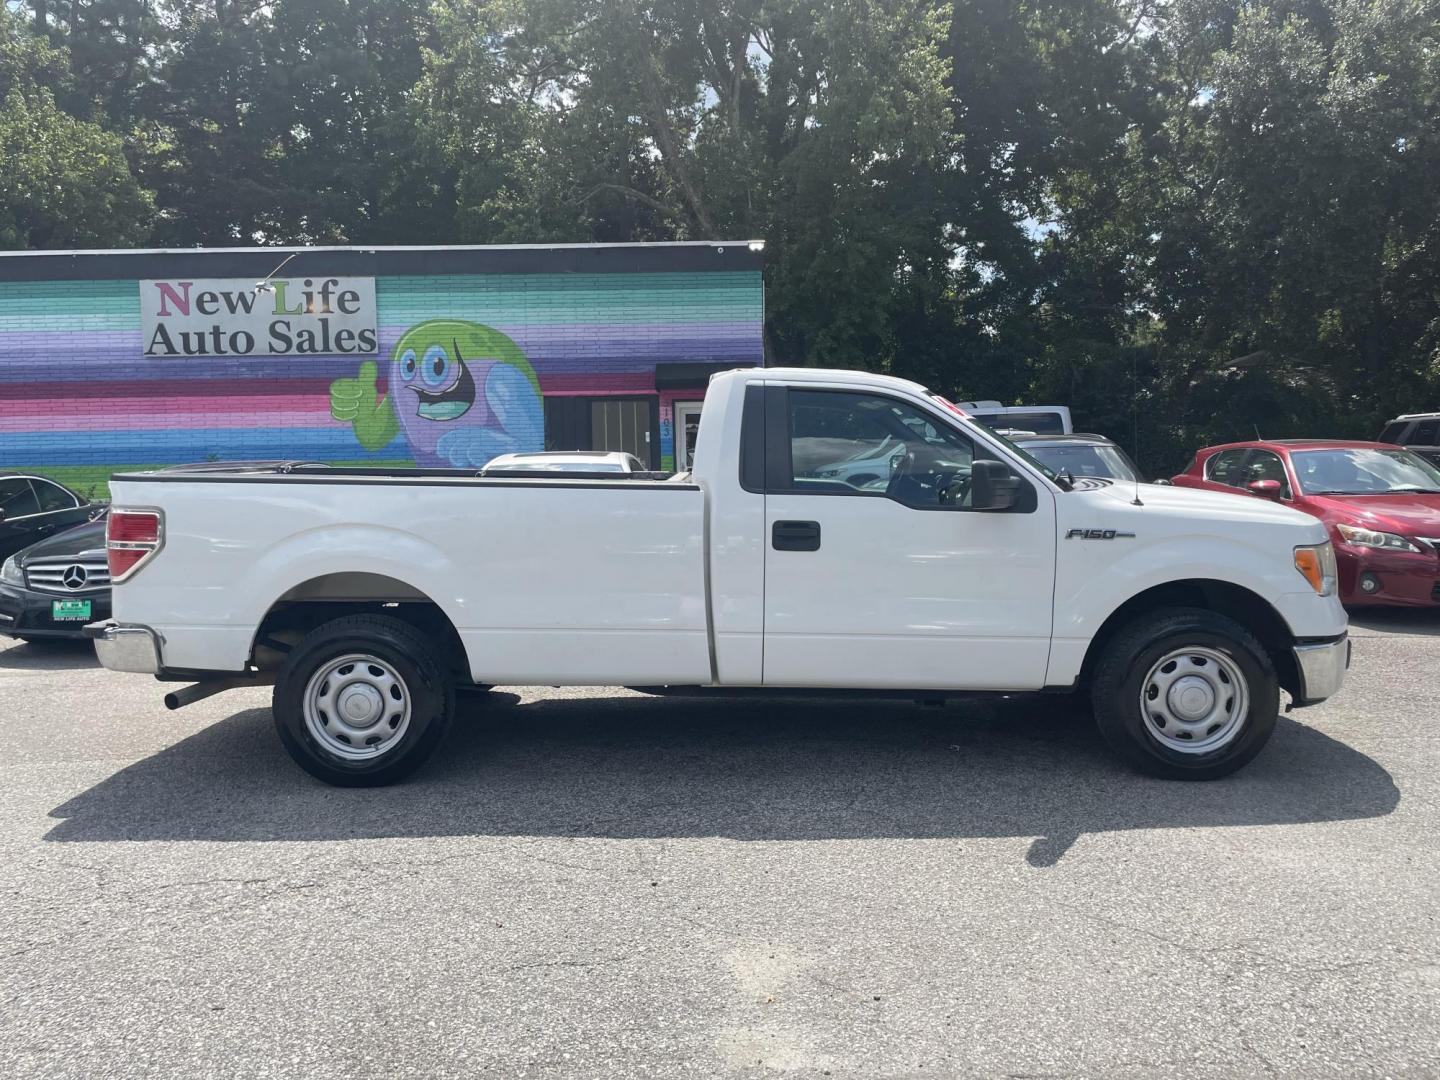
x=639, y=382
x=66, y=417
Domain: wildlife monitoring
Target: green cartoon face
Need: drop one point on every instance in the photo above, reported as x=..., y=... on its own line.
x=464, y=385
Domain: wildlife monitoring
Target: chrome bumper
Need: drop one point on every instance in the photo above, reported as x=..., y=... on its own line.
x=1322, y=669
x=125, y=648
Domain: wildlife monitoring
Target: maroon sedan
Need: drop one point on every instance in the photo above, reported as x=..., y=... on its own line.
x=1380, y=502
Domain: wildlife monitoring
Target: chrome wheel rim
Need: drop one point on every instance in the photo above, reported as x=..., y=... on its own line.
x=357, y=707
x=1194, y=700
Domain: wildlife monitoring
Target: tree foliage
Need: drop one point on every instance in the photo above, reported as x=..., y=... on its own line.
x=64, y=181
x=1189, y=219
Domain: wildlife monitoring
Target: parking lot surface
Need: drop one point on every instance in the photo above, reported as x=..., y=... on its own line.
x=600, y=884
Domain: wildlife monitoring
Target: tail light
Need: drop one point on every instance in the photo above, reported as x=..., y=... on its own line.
x=132, y=537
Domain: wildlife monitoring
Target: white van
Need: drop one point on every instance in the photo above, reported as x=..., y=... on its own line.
x=1040, y=419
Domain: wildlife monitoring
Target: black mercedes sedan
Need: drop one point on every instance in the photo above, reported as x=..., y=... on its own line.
x=33, y=508
x=53, y=588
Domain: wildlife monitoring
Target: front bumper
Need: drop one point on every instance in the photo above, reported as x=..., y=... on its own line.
x=1322, y=667
x=122, y=647
x=27, y=612
x=1396, y=578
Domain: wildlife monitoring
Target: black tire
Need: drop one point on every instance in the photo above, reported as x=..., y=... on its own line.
x=412, y=656
x=1127, y=661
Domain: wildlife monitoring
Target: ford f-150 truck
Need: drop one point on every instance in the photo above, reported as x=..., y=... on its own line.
x=368, y=596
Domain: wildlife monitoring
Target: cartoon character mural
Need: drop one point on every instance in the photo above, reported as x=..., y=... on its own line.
x=462, y=393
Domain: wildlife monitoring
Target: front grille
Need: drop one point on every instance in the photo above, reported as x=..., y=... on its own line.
x=49, y=575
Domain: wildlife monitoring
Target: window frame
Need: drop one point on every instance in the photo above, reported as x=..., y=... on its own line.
x=30, y=487
x=35, y=486
x=768, y=468
x=1287, y=486
x=1244, y=457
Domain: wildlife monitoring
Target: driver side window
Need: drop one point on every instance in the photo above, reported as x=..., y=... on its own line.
x=865, y=444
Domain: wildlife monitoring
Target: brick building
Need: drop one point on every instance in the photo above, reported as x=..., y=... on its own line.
x=429, y=356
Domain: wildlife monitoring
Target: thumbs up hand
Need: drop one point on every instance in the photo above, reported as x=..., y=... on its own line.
x=358, y=402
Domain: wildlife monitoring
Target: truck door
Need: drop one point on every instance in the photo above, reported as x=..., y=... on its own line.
x=877, y=572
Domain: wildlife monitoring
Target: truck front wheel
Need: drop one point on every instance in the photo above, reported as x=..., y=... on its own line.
x=1185, y=694
x=362, y=701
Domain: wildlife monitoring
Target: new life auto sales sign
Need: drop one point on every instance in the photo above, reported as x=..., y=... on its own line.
x=279, y=317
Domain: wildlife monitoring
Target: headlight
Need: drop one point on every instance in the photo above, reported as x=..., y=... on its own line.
x=1316, y=562
x=1370, y=538
x=11, y=573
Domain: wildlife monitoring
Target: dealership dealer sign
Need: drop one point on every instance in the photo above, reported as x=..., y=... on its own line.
x=278, y=317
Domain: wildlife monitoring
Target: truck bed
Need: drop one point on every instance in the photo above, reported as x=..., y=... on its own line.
x=318, y=468
x=552, y=579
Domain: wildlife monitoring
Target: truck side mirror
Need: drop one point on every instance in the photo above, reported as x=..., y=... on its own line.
x=992, y=486
x=1265, y=489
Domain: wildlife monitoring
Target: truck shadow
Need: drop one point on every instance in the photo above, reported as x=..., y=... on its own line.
x=753, y=769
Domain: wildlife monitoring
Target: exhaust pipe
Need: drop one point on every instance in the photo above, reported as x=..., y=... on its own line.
x=188, y=695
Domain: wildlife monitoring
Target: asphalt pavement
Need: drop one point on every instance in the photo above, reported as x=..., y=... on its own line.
x=601, y=884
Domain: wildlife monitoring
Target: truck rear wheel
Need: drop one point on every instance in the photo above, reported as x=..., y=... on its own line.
x=1185, y=694
x=361, y=701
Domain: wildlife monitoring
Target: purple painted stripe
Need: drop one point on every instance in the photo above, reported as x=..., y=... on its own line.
x=138, y=393
x=58, y=356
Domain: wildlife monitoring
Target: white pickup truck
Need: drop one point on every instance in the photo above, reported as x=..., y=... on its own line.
x=368, y=596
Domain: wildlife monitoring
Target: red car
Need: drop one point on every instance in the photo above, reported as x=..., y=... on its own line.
x=1380, y=502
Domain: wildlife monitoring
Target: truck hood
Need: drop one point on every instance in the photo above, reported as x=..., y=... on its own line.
x=1207, y=505
x=87, y=537
x=1411, y=515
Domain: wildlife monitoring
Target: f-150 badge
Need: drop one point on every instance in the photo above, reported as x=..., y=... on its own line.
x=1097, y=534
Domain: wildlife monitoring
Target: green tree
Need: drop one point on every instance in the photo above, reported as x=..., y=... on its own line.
x=288, y=122
x=64, y=182
x=822, y=128
x=1264, y=234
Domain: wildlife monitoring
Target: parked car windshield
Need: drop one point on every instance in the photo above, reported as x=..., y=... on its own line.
x=1363, y=471
x=1084, y=459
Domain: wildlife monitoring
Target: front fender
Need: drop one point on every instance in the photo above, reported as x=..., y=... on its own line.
x=1095, y=578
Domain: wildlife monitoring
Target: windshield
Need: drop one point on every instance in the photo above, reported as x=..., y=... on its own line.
x=1363, y=471
x=1082, y=459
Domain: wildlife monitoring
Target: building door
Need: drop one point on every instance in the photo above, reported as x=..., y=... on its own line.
x=628, y=424
x=687, y=426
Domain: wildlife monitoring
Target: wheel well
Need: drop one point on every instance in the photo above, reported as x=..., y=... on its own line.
x=332, y=596
x=1249, y=609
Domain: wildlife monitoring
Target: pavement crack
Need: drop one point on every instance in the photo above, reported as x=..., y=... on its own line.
x=1265, y=1061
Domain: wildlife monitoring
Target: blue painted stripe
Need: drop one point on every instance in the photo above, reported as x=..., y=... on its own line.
x=173, y=447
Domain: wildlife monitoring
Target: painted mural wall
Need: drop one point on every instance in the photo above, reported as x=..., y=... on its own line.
x=457, y=374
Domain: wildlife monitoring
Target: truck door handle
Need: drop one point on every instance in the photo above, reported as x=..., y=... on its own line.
x=795, y=536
